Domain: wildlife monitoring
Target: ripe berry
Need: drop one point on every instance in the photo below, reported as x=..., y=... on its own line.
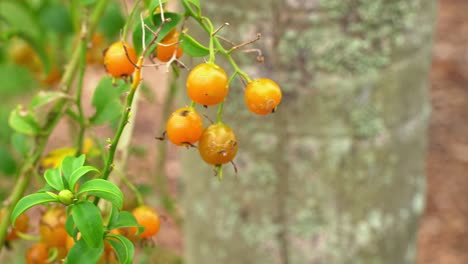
x=184, y=126
x=148, y=218
x=116, y=61
x=52, y=227
x=207, y=84
x=262, y=96
x=21, y=225
x=37, y=254
x=165, y=50
x=218, y=144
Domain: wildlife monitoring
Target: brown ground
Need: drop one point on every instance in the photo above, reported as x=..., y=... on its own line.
x=444, y=231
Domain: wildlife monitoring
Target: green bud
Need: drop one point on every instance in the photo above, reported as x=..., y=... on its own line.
x=66, y=197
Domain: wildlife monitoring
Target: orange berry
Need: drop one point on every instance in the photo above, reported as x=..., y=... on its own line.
x=207, y=84
x=21, y=225
x=262, y=96
x=166, y=49
x=116, y=61
x=184, y=126
x=148, y=218
x=52, y=227
x=37, y=254
x=218, y=144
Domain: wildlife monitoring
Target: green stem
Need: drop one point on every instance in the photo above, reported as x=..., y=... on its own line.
x=123, y=122
x=79, y=105
x=220, y=112
x=130, y=18
x=209, y=29
x=133, y=188
x=25, y=172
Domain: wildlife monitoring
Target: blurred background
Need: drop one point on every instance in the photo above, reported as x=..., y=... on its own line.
x=302, y=169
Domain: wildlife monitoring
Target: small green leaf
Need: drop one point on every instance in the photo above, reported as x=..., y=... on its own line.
x=78, y=173
x=114, y=216
x=81, y=251
x=125, y=219
x=43, y=98
x=70, y=164
x=46, y=188
x=29, y=201
x=112, y=21
x=103, y=189
x=70, y=226
x=21, y=143
x=23, y=121
x=123, y=247
x=168, y=26
x=154, y=24
x=192, y=47
x=106, y=101
x=54, y=178
x=88, y=219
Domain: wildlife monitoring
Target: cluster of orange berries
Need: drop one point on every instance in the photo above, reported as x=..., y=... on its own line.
x=53, y=235
x=207, y=84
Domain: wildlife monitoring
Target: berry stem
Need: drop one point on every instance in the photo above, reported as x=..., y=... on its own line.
x=220, y=112
x=132, y=187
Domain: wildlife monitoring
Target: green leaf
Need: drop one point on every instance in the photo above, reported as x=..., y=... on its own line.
x=70, y=164
x=23, y=121
x=46, y=188
x=43, y=98
x=168, y=26
x=81, y=252
x=54, y=178
x=125, y=219
x=106, y=101
x=112, y=21
x=114, y=216
x=192, y=47
x=88, y=219
x=154, y=24
x=70, y=226
x=155, y=4
x=55, y=17
x=123, y=247
x=21, y=143
x=103, y=189
x=29, y=201
x=78, y=173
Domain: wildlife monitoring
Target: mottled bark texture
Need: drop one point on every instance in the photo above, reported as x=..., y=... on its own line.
x=337, y=174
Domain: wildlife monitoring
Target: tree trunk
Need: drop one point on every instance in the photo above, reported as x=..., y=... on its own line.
x=337, y=174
